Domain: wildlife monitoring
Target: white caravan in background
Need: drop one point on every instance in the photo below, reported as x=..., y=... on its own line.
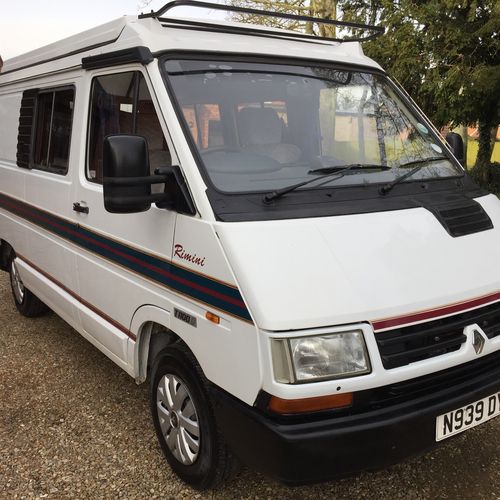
x=264, y=225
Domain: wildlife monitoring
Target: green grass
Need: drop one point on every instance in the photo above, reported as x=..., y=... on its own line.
x=472, y=148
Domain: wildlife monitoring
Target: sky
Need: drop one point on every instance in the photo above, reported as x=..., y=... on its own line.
x=29, y=24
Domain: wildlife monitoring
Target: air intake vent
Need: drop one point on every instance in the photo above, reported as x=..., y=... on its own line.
x=459, y=379
x=462, y=217
x=402, y=346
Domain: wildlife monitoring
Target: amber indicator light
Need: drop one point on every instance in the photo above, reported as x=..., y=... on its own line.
x=290, y=406
x=212, y=317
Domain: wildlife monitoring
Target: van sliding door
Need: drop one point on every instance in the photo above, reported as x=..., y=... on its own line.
x=49, y=183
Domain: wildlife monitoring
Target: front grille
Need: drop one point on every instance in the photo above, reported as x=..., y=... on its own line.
x=405, y=345
x=457, y=379
x=462, y=217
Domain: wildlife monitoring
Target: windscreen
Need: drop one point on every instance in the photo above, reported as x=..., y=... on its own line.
x=262, y=127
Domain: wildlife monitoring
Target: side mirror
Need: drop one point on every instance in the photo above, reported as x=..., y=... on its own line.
x=456, y=145
x=126, y=170
x=127, y=180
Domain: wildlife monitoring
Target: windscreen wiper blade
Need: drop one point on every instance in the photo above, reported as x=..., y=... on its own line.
x=420, y=165
x=327, y=172
x=353, y=166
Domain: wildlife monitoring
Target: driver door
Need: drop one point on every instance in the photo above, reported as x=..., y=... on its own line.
x=119, y=254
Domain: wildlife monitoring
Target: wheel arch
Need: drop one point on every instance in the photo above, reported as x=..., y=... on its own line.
x=5, y=251
x=151, y=327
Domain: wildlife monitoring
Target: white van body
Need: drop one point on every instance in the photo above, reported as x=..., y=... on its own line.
x=130, y=283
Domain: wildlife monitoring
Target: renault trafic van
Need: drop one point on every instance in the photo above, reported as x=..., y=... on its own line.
x=265, y=226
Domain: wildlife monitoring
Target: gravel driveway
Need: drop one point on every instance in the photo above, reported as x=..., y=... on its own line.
x=73, y=425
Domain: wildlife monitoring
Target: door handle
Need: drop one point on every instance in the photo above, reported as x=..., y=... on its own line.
x=79, y=208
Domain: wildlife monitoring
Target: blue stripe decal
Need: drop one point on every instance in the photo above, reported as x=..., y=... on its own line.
x=201, y=288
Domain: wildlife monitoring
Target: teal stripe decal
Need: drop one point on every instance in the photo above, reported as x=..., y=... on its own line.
x=201, y=288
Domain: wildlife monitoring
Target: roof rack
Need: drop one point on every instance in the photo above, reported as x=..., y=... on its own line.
x=374, y=31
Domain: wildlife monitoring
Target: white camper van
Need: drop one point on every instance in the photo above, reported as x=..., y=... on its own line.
x=264, y=226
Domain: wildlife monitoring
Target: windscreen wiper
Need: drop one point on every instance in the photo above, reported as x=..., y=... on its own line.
x=353, y=166
x=327, y=172
x=420, y=165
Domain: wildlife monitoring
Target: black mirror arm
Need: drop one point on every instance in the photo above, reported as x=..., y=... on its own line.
x=167, y=170
x=151, y=198
x=134, y=181
x=182, y=202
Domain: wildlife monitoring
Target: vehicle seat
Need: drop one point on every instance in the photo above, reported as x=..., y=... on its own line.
x=149, y=127
x=261, y=131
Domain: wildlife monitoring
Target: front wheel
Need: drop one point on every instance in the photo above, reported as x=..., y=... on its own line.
x=27, y=303
x=184, y=421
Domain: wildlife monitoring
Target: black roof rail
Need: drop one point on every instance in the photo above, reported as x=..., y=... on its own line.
x=374, y=30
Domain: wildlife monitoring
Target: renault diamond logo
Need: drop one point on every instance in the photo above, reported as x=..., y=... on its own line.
x=478, y=341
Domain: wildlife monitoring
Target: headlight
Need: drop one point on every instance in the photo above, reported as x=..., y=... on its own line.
x=306, y=359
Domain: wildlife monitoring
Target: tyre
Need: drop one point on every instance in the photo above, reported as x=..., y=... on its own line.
x=27, y=304
x=184, y=421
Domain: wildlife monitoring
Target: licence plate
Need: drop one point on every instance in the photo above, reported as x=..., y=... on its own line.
x=469, y=416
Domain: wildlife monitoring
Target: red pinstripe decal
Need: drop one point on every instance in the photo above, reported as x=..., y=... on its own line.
x=415, y=317
x=178, y=279
x=94, y=309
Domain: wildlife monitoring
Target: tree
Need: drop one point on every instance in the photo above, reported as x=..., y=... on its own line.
x=445, y=53
x=320, y=8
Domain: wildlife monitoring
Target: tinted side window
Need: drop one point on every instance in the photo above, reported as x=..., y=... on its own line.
x=121, y=104
x=52, y=134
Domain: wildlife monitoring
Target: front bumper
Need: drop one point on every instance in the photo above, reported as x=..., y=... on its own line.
x=317, y=448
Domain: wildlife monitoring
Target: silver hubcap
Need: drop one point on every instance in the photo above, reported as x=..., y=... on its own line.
x=178, y=419
x=17, y=284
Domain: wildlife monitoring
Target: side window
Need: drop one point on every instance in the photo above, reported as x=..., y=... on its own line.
x=52, y=132
x=121, y=104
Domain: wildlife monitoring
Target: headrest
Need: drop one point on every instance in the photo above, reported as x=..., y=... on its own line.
x=259, y=126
